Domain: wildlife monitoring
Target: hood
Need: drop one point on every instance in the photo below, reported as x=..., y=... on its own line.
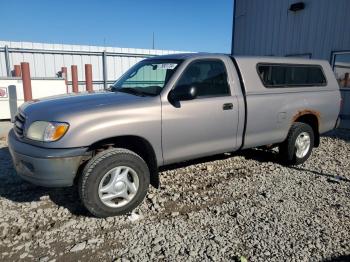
x=55, y=107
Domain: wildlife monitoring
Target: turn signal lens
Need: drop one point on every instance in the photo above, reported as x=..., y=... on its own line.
x=60, y=131
x=55, y=131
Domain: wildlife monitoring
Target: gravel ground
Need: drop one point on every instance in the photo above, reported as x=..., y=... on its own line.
x=228, y=207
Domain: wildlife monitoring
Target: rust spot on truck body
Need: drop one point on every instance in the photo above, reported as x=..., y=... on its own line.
x=300, y=113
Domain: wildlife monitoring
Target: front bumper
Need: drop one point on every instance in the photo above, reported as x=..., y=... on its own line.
x=45, y=166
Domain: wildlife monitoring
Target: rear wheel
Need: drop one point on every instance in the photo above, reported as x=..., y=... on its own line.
x=297, y=148
x=114, y=182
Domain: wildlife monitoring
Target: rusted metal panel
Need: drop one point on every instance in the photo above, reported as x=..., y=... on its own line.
x=64, y=75
x=27, y=84
x=74, y=70
x=303, y=112
x=88, y=77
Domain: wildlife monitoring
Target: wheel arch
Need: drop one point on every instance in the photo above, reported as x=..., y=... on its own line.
x=137, y=144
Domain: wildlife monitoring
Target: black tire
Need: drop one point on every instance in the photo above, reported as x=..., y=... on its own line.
x=287, y=149
x=95, y=170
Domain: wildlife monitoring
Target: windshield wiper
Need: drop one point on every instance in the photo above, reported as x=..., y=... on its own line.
x=134, y=91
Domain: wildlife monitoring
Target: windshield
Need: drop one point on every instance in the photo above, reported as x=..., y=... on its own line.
x=147, y=77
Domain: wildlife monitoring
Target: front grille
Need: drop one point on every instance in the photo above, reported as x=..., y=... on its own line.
x=19, y=124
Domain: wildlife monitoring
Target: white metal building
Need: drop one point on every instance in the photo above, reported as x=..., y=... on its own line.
x=45, y=60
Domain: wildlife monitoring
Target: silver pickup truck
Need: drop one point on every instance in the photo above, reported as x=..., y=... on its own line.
x=169, y=109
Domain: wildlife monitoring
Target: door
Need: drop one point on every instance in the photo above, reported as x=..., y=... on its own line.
x=206, y=125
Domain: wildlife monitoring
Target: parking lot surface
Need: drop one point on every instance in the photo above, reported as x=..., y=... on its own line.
x=229, y=206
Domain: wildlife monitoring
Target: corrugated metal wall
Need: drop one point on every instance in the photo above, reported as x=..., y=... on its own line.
x=47, y=59
x=268, y=28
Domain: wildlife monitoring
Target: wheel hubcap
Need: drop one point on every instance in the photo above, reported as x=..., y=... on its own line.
x=302, y=144
x=118, y=186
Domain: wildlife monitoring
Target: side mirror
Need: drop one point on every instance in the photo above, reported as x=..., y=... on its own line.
x=182, y=93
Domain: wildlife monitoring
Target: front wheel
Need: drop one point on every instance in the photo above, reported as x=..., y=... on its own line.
x=114, y=182
x=297, y=148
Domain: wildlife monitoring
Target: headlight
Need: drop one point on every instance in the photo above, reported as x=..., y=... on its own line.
x=47, y=131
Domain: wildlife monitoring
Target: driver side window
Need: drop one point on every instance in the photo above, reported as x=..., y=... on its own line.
x=208, y=76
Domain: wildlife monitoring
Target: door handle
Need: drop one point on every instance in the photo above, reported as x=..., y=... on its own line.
x=227, y=106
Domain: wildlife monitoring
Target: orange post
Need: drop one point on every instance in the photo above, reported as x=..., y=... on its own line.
x=64, y=75
x=74, y=69
x=17, y=71
x=88, y=77
x=27, y=84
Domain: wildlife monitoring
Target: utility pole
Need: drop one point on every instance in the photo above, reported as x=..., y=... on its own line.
x=233, y=28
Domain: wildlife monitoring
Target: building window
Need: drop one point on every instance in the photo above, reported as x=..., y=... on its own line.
x=341, y=67
x=287, y=75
